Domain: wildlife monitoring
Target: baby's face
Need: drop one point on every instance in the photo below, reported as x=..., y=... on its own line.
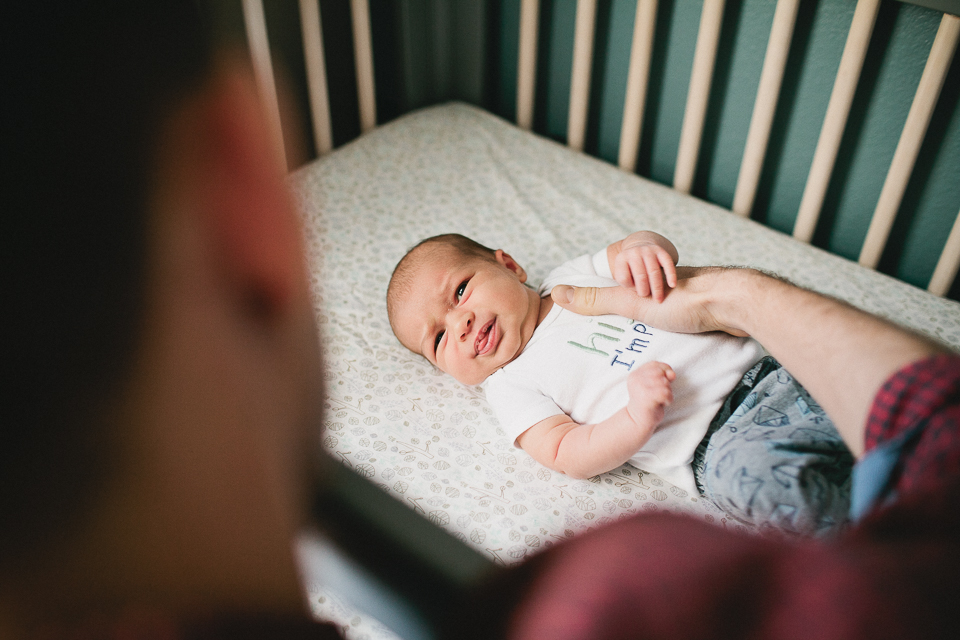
x=467, y=315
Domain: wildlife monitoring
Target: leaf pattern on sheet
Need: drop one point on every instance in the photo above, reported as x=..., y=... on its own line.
x=421, y=435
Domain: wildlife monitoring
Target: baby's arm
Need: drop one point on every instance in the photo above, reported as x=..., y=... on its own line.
x=584, y=450
x=638, y=261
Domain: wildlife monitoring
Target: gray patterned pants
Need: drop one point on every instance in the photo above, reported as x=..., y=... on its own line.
x=773, y=458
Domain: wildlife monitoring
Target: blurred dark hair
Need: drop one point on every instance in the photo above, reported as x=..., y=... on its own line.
x=85, y=86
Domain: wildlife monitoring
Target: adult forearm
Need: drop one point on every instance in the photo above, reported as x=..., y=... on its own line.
x=841, y=354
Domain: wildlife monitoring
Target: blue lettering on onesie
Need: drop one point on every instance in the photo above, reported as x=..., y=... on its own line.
x=641, y=328
x=616, y=360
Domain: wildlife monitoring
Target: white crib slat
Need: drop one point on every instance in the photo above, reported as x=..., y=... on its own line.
x=948, y=264
x=527, y=62
x=580, y=75
x=638, y=75
x=704, y=57
x=316, y=75
x=845, y=85
x=771, y=78
x=904, y=158
x=256, y=26
x=363, y=54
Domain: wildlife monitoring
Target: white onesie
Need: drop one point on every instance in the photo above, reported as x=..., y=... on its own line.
x=578, y=365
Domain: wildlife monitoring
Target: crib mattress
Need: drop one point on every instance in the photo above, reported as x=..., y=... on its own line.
x=434, y=443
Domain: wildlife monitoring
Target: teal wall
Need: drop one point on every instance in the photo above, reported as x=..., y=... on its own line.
x=430, y=51
x=904, y=32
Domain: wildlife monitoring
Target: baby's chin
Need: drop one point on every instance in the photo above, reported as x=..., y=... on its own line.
x=470, y=381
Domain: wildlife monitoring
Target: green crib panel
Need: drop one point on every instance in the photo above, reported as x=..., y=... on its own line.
x=673, y=48
x=736, y=79
x=897, y=54
x=614, y=55
x=815, y=52
x=869, y=142
x=932, y=200
x=407, y=65
x=508, y=41
x=554, y=62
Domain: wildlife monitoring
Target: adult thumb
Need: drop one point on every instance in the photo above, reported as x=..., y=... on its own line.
x=598, y=301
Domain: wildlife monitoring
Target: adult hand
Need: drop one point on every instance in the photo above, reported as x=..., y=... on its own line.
x=686, y=308
x=840, y=354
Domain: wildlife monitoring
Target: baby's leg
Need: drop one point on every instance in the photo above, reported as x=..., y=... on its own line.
x=777, y=460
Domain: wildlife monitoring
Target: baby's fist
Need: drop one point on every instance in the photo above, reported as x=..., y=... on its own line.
x=650, y=391
x=646, y=267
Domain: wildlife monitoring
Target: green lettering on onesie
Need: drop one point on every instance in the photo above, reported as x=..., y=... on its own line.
x=593, y=347
x=610, y=326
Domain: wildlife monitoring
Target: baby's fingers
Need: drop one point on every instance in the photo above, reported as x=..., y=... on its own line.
x=661, y=370
x=659, y=267
x=669, y=269
x=654, y=374
x=659, y=391
x=653, y=277
x=623, y=274
x=641, y=282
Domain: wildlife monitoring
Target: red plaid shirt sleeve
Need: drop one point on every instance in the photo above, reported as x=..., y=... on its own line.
x=925, y=395
x=896, y=574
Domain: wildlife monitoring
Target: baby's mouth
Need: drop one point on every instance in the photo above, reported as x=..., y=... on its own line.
x=487, y=338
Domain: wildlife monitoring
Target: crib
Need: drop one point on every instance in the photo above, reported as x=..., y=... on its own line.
x=819, y=141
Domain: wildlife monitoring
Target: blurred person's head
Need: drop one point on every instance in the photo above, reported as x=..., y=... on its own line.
x=160, y=366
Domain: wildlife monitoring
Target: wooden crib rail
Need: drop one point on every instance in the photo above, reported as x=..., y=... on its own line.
x=256, y=25
x=851, y=63
x=363, y=53
x=316, y=75
x=914, y=130
x=580, y=81
x=638, y=75
x=527, y=62
x=775, y=60
x=310, y=21
x=949, y=263
x=774, y=69
x=771, y=78
x=704, y=57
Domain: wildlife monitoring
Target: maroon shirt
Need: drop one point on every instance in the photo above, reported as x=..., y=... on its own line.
x=895, y=574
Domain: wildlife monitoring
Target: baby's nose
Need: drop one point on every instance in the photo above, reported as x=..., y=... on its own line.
x=464, y=323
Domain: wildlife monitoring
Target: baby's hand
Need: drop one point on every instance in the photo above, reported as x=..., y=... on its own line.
x=650, y=393
x=644, y=265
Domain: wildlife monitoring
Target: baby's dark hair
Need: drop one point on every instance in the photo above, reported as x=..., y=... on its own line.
x=401, y=282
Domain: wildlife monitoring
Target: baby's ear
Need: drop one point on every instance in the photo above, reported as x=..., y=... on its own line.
x=506, y=260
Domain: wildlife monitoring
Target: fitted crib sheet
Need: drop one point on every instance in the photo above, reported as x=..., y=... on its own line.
x=434, y=443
